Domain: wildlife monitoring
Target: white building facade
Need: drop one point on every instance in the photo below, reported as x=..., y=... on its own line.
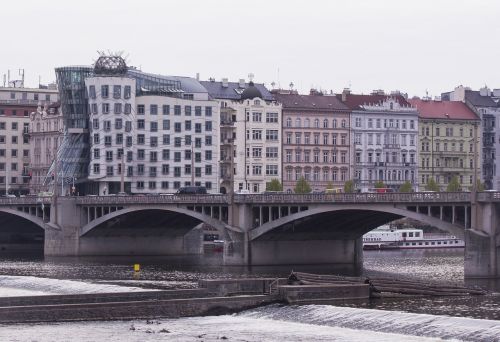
x=251, y=135
x=384, y=143
x=156, y=141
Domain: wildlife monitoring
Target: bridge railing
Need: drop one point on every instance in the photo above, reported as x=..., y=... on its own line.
x=9, y=201
x=413, y=197
x=153, y=199
x=488, y=196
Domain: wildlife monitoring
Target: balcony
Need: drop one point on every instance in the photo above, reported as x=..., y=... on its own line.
x=227, y=141
x=226, y=122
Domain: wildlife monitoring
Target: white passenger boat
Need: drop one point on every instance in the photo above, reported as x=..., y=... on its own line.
x=386, y=238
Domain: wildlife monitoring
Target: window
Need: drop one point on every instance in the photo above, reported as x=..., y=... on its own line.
x=153, y=142
x=177, y=110
x=208, y=170
x=197, y=110
x=153, y=109
x=325, y=139
x=208, y=126
x=104, y=91
x=94, y=108
x=208, y=111
x=91, y=92
x=95, y=123
x=177, y=142
x=177, y=127
x=140, y=139
x=357, y=122
x=109, y=156
x=271, y=134
x=208, y=140
x=126, y=92
x=107, y=125
x=197, y=127
x=140, y=109
x=141, y=124
x=118, y=124
x=257, y=152
x=97, y=169
x=256, y=134
x=271, y=152
x=288, y=122
x=117, y=91
x=96, y=138
x=105, y=108
x=272, y=170
x=153, y=156
x=208, y=155
x=153, y=126
x=166, y=139
x=256, y=117
x=256, y=169
x=271, y=117
x=166, y=110
x=298, y=138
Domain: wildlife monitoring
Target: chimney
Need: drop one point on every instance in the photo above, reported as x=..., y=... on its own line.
x=345, y=92
x=241, y=83
x=197, y=76
x=225, y=83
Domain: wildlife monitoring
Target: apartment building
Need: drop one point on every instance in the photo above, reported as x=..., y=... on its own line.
x=16, y=104
x=316, y=140
x=486, y=106
x=448, y=143
x=384, y=133
x=250, y=135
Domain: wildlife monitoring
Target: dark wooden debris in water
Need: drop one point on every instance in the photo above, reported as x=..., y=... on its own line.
x=381, y=287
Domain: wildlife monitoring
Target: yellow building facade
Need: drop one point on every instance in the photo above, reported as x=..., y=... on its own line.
x=448, y=144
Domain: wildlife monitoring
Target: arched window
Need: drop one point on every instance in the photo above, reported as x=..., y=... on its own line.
x=334, y=123
x=316, y=123
x=297, y=122
x=288, y=122
x=343, y=123
x=307, y=123
x=325, y=123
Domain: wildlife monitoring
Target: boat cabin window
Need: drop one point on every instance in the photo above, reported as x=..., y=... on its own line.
x=404, y=234
x=410, y=234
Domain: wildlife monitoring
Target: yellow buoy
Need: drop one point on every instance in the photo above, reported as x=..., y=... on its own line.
x=137, y=267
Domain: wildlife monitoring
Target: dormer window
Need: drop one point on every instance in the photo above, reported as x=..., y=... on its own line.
x=256, y=102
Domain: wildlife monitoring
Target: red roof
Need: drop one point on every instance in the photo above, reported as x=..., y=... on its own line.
x=355, y=101
x=452, y=110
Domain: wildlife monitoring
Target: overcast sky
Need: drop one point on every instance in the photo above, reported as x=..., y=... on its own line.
x=412, y=46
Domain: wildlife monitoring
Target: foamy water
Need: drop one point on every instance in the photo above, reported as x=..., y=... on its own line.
x=11, y=286
x=215, y=328
x=467, y=329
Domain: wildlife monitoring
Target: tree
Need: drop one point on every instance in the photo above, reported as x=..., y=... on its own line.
x=406, y=187
x=453, y=185
x=274, y=185
x=479, y=185
x=379, y=184
x=349, y=186
x=302, y=186
x=431, y=185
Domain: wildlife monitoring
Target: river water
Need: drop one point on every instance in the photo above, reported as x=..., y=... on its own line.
x=417, y=319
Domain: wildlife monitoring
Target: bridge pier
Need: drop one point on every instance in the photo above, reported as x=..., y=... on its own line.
x=482, y=242
x=62, y=233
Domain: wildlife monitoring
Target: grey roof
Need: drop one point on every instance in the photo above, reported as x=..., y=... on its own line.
x=188, y=84
x=475, y=98
x=233, y=90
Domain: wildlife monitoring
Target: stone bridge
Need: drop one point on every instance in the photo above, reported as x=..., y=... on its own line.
x=257, y=229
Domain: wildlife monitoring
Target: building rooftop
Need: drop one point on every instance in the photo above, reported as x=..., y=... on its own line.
x=323, y=102
x=478, y=100
x=233, y=90
x=357, y=101
x=445, y=110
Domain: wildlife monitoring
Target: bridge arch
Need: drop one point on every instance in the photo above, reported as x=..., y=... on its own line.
x=202, y=218
x=393, y=212
x=32, y=218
